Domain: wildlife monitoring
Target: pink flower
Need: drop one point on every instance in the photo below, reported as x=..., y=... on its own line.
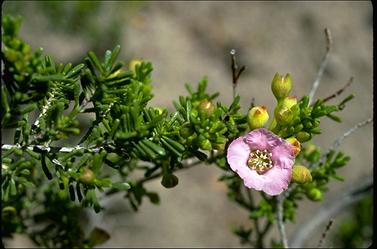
x=263, y=160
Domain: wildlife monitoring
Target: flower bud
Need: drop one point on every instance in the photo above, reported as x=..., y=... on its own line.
x=204, y=143
x=206, y=107
x=314, y=194
x=159, y=110
x=220, y=143
x=8, y=213
x=133, y=63
x=257, y=117
x=289, y=101
x=283, y=115
x=303, y=136
x=281, y=86
x=309, y=149
x=296, y=145
x=219, y=147
x=87, y=176
x=312, y=152
x=301, y=174
x=169, y=180
x=186, y=131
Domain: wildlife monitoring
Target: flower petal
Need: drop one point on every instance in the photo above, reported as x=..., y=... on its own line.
x=255, y=181
x=277, y=180
x=238, y=154
x=283, y=155
x=261, y=139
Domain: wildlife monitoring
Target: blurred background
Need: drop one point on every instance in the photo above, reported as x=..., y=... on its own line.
x=187, y=40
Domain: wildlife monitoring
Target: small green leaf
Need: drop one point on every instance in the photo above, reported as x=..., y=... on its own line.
x=95, y=62
x=45, y=168
x=13, y=189
x=121, y=185
x=334, y=117
x=75, y=71
x=153, y=197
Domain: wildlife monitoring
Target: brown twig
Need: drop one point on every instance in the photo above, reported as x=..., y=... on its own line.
x=235, y=72
x=187, y=166
x=293, y=186
x=339, y=141
x=322, y=66
x=325, y=232
x=339, y=91
x=354, y=194
x=256, y=223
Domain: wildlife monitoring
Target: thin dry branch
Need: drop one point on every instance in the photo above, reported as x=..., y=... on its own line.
x=324, y=234
x=293, y=186
x=350, y=196
x=339, y=91
x=339, y=141
x=322, y=66
x=334, y=146
x=235, y=72
x=283, y=235
x=43, y=148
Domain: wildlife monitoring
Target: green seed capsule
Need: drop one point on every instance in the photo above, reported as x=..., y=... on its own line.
x=314, y=194
x=281, y=86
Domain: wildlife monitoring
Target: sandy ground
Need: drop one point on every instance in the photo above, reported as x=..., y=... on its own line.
x=187, y=40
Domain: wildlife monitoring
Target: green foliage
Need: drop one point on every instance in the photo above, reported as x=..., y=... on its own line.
x=18, y=91
x=305, y=120
x=321, y=175
x=125, y=133
x=50, y=185
x=356, y=231
x=243, y=233
x=207, y=126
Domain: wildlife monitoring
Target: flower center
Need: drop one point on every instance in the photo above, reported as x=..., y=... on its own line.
x=260, y=161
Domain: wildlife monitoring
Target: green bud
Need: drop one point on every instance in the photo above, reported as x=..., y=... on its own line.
x=289, y=101
x=283, y=115
x=298, y=128
x=257, y=117
x=87, y=176
x=204, y=143
x=281, y=86
x=308, y=124
x=186, y=131
x=206, y=107
x=220, y=143
x=219, y=147
x=133, y=63
x=301, y=174
x=191, y=139
x=8, y=213
x=303, y=136
x=169, y=180
x=285, y=112
x=314, y=194
x=295, y=144
x=312, y=153
x=159, y=110
x=310, y=149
